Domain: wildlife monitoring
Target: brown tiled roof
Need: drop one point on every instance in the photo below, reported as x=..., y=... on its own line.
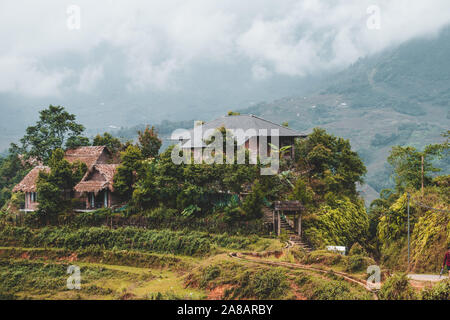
x=88, y=155
x=107, y=171
x=28, y=184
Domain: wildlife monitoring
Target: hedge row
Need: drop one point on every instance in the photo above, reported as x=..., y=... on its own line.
x=129, y=238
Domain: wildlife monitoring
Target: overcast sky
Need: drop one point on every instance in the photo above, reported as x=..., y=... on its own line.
x=156, y=41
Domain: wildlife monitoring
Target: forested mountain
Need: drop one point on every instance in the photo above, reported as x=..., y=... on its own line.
x=398, y=97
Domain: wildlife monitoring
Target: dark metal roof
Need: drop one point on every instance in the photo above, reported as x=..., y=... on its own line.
x=246, y=122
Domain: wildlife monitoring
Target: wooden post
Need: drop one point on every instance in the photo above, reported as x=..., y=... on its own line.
x=279, y=224
x=422, y=175
x=273, y=221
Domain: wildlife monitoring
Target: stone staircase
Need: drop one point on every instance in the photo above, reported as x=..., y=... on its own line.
x=293, y=237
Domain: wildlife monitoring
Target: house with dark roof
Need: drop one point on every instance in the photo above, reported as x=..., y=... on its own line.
x=96, y=158
x=252, y=126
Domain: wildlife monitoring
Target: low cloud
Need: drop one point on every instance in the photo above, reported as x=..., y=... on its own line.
x=89, y=78
x=28, y=77
x=158, y=41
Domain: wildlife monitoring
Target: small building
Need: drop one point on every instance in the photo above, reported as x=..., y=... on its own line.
x=253, y=126
x=28, y=186
x=92, y=156
x=97, y=187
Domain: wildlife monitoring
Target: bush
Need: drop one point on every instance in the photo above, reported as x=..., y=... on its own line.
x=331, y=291
x=209, y=274
x=440, y=291
x=357, y=249
x=397, y=287
x=264, y=284
x=342, y=224
x=356, y=263
x=324, y=257
x=187, y=242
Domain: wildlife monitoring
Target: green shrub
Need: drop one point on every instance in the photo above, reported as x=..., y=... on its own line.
x=331, y=291
x=270, y=284
x=397, y=287
x=209, y=274
x=324, y=257
x=264, y=284
x=357, y=249
x=440, y=291
x=357, y=263
x=187, y=242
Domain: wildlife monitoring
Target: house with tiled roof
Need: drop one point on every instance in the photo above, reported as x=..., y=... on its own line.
x=97, y=160
x=28, y=186
x=97, y=185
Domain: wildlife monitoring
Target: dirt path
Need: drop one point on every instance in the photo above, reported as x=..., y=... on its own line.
x=345, y=276
x=427, y=277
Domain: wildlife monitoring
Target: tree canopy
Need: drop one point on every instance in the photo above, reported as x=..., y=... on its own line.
x=53, y=186
x=56, y=128
x=149, y=142
x=331, y=160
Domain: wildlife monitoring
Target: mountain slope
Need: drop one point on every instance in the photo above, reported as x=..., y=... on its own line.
x=398, y=97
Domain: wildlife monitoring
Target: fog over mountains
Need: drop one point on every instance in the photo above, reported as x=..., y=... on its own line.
x=311, y=63
x=400, y=96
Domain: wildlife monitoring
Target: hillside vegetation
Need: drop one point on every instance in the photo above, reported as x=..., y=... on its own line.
x=398, y=97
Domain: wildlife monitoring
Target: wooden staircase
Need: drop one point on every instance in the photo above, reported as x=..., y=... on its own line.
x=293, y=236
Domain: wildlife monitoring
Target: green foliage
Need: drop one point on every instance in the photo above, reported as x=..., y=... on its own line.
x=188, y=242
x=343, y=224
x=407, y=165
x=303, y=193
x=397, y=287
x=77, y=141
x=332, y=288
x=209, y=273
x=191, y=188
x=53, y=186
x=356, y=249
x=324, y=156
x=127, y=172
x=392, y=225
x=252, y=204
x=331, y=291
x=262, y=284
x=440, y=291
x=149, y=142
x=113, y=144
x=56, y=128
x=12, y=171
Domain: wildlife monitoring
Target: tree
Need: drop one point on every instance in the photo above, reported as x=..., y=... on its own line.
x=331, y=160
x=12, y=171
x=149, y=142
x=302, y=192
x=407, y=165
x=77, y=141
x=56, y=128
x=113, y=144
x=252, y=204
x=128, y=171
x=53, y=186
